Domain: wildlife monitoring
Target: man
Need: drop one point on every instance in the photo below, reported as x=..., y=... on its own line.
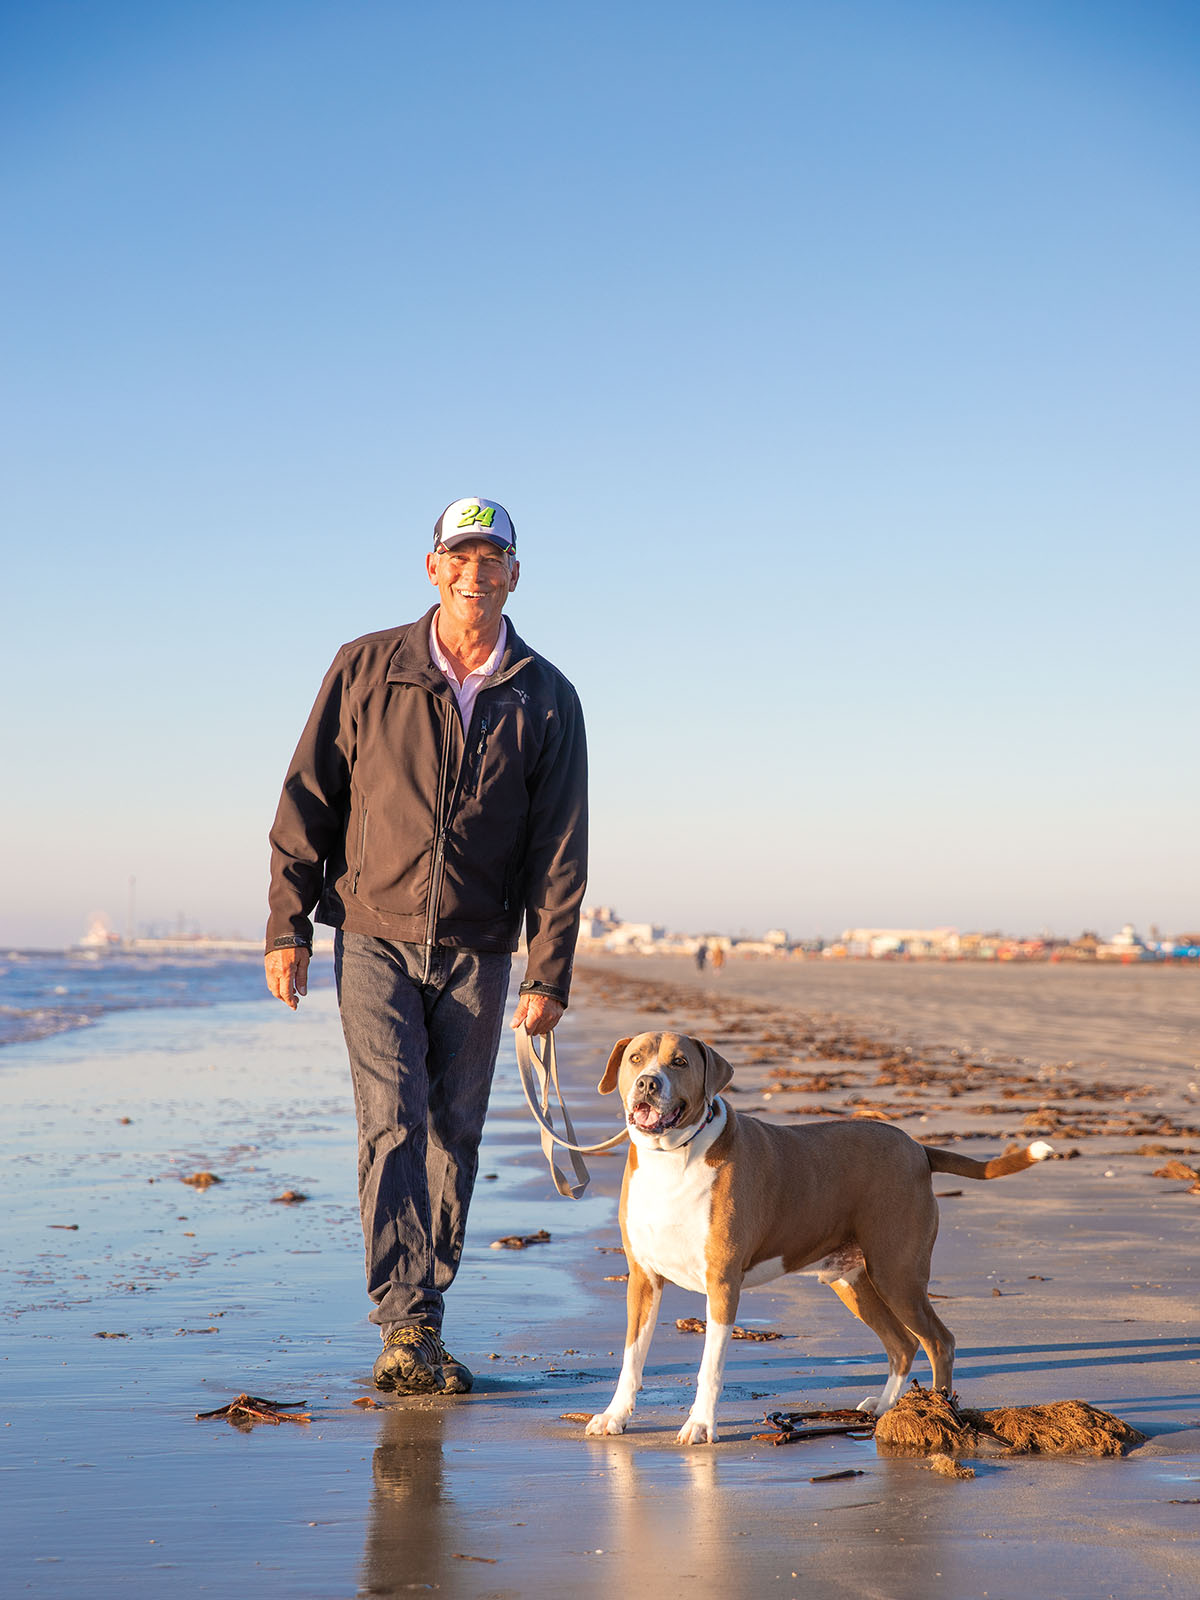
x=437, y=797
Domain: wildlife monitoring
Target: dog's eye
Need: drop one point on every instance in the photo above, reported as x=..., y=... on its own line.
x=635, y=1061
x=679, y=1061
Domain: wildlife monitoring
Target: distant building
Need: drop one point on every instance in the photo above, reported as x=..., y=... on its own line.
x=1082, y=949
x=597, y=922
x=99, y=935
x=1125, y=946
x=604, y=914
x=878, y=942
x=634, y=933
x=756, y=947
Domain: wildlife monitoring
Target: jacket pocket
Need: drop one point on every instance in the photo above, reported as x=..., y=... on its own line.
x=475, y=754
x=362, y=849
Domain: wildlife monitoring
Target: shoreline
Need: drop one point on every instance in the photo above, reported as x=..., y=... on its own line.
x=1051, y=1294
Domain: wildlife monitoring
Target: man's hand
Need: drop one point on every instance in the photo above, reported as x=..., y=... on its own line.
x=287, y=973
x=538, y=1013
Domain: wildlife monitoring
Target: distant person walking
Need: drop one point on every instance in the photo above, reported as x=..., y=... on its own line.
x=437, y=799
x=718, y=957
x=701, y=955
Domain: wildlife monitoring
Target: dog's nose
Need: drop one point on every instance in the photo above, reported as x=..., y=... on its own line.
x=647, y=1083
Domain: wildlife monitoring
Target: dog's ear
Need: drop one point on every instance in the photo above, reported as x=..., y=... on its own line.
x=609, y=1081
x=717, y=1071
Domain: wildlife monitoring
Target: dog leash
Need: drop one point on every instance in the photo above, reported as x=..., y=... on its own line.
x=538, y=1073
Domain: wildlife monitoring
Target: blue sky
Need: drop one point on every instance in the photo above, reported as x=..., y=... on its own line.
x=839, y=366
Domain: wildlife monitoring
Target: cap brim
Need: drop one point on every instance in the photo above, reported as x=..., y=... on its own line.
x=448, y=541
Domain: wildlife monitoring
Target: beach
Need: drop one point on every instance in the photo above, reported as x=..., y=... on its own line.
x=133, y=1300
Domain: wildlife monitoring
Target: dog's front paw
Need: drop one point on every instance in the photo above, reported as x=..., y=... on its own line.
x=696, y=1430
x=606, y=1422
x=870, y=1405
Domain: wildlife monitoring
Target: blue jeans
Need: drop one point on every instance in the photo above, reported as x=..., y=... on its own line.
x=422, y=1028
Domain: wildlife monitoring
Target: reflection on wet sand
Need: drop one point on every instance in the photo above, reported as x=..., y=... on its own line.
x=406, y=1527
x=666, y=1514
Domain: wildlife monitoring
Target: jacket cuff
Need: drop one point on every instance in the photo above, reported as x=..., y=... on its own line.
x=289, y=941
x=551, y=990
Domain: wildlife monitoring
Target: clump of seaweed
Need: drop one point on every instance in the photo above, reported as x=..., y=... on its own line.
x=949, y=1467
x=928, y=1422
x=925, y=1422
x=1181, y=1171
x=1064, y=1427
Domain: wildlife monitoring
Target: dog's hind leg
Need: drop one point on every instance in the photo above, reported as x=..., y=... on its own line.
x=858, y=1293
x=905, y=1296
x=642, y=1298
x=898, y=1266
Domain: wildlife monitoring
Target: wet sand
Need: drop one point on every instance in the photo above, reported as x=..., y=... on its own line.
x=1078, y=1279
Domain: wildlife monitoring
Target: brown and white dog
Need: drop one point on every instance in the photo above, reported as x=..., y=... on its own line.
x=717, y=1202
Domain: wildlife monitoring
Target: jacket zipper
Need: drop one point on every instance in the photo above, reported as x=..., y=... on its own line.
x=443, y=827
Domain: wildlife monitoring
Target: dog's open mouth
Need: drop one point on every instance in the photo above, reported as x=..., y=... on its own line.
x=650, y=1119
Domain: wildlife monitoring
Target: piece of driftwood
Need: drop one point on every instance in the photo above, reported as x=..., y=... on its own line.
x=755, y=1335
x=794, y=1427
x=520, y=1241
x=244, y=1410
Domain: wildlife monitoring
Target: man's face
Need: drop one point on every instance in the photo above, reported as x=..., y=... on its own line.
x=474, y=580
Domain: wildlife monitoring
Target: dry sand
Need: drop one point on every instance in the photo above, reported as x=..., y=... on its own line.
x=1078, y=1279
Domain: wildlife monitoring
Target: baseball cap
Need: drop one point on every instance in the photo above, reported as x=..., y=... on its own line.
x=475, y=519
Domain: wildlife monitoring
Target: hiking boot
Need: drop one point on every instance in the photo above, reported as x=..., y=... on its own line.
x=415, y=1361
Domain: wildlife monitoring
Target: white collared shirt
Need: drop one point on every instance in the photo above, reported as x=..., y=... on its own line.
x=465, y=692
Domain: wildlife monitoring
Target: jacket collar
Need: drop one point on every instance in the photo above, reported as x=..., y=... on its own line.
x=411, y=662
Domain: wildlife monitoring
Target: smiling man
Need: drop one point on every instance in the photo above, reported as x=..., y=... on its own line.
x=437, y=799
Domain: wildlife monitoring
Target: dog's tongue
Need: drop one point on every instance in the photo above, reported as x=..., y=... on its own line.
x=646, y=1117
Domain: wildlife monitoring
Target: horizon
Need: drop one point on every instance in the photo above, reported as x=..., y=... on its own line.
x=1154, y=932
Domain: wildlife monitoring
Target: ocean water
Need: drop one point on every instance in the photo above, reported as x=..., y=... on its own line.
x=44, y=992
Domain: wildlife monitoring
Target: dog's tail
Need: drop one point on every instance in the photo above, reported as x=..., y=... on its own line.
x=1001, y=1167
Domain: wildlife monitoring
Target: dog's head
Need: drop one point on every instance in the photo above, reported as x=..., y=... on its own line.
x=667, y=1081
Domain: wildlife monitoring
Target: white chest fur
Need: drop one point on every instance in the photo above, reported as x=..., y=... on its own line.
x=668, y=1209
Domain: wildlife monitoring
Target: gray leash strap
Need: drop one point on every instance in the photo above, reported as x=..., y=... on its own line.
x=538, y=1073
